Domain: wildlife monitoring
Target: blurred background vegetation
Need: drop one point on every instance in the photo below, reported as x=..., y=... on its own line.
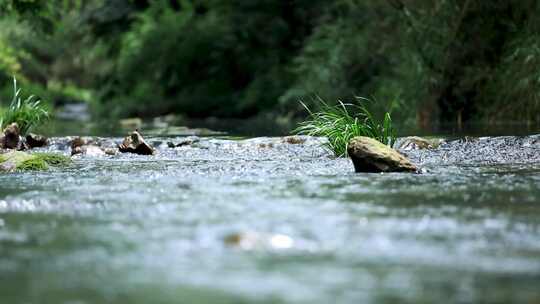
x=430, y=63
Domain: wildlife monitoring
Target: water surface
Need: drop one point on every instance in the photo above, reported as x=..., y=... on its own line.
x=265, y=221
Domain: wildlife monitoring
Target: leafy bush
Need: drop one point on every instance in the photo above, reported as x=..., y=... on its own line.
x=26, y=113
x=342, y=122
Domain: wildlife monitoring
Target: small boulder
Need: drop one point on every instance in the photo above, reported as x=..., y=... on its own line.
x=134, y=143
x=92, y=147
x=76, y=145
x=36, y=141
x=89, y=150
x=81, y=141
x=12, y=137
x=370, y=155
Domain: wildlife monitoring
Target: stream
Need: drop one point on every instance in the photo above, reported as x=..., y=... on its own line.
x=264, y=220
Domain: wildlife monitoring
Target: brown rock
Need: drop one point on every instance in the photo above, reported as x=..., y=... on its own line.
x=79, y=142
x=370, y=155
x=12, y=137
x=76, y=145
x=36, y=141
x=134, y=143
x=76, y=150
x=89, y=150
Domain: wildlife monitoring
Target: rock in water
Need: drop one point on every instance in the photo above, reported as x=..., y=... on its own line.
x=11, y=160
x=91, y=147
x=88, y=150
x=36, y=141
x=12, y=137
x=134, y=143
x=78, y=142
x=370, y=155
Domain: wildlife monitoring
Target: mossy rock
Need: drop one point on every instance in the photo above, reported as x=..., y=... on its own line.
x=53, y=159
x=21, y=161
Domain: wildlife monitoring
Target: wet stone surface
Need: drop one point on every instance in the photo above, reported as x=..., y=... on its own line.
x=265, y=220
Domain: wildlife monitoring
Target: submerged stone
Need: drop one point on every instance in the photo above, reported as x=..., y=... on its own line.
x=370, y=155
x=135, y=143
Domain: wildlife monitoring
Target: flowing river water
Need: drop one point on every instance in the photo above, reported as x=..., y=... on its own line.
x=263, y=220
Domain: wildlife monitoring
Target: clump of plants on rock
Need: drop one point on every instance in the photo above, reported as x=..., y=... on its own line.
x=27, y=113
x=341, y=122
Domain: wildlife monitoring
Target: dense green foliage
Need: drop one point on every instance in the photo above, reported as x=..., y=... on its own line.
x=430, y=62
x=27, y=113
x=342, y=122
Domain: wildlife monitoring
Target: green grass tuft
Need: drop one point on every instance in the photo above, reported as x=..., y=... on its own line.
x=26, y=113
x=342, y=122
